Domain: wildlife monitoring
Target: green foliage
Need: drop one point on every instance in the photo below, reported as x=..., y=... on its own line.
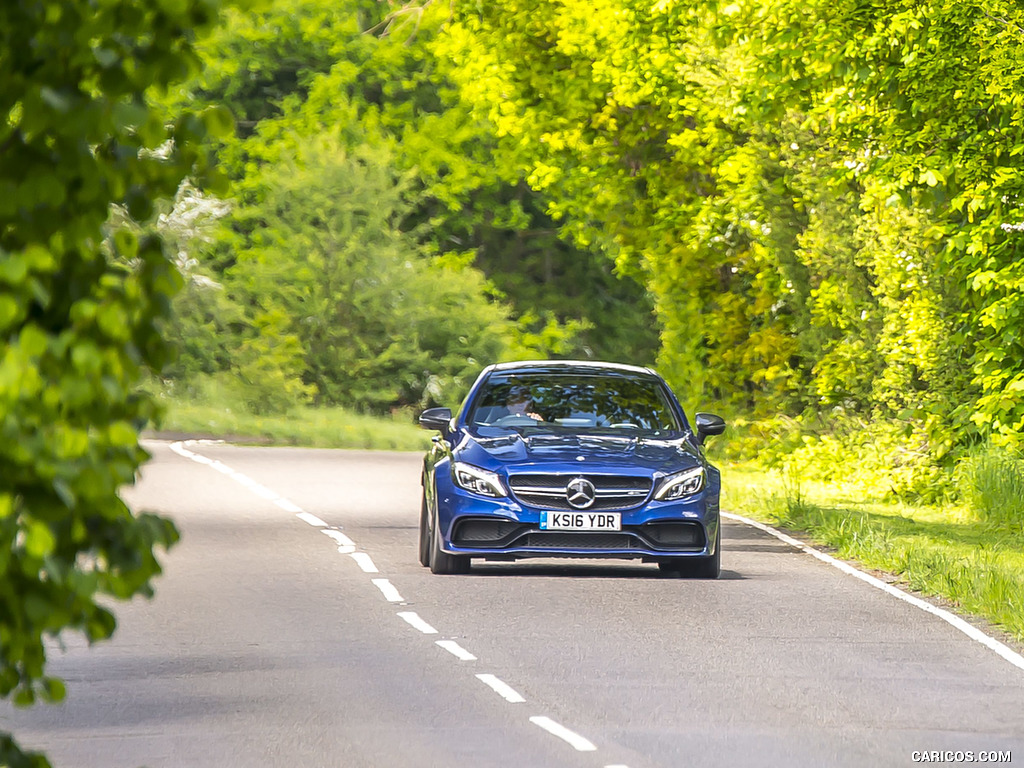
x=379, y=321
x=991, y=480
x=873, y=460
x=821, y=198
x=370, y=81
x=79, y=322
x=268, y=53
x=931, y=128
x=268, y=364
x=212, y=409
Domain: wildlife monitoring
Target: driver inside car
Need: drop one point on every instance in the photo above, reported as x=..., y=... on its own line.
x=519, y=403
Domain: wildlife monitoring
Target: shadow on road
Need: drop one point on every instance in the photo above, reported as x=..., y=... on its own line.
x=582, y=570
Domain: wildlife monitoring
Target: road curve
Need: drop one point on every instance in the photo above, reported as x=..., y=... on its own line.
x=294, y=627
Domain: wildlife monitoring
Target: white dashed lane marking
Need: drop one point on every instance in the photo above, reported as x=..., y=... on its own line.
x=313, y=520
x=413, y=620
x=365, y=562
x=388, y=590
x=572, y=738
x=503, y=689
x=456, y=650
x=347, y=547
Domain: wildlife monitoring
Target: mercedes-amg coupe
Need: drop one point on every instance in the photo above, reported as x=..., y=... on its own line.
x=570, y=459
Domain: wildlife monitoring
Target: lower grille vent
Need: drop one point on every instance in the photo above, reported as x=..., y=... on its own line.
x=578, y=541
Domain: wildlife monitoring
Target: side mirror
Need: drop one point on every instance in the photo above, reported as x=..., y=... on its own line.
x=436, y=418
x=709, y=425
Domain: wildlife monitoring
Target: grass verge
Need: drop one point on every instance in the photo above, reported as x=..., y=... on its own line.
x=945, y=551
x=305, y=426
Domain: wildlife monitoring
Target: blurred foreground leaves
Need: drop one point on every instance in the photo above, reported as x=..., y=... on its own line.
x=80, y=313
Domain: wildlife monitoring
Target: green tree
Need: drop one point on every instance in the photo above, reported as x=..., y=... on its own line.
x=822, y=197
x=371, y=77
x=381, y=321
x=267, y=54
x=623, y=115
x=79, y=321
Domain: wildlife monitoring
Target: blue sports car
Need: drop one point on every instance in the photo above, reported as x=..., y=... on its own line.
x=570, y=459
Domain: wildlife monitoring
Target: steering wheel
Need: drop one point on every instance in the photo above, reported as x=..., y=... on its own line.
x=513, y=419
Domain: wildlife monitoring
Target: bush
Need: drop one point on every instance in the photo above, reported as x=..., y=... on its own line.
x=991, y=481
x=874, y=459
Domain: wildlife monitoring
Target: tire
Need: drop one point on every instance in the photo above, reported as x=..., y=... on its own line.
x=440, y=561
x=424, y=535
x=709, y=567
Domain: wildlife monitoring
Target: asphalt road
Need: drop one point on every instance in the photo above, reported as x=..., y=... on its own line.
x=273, y=641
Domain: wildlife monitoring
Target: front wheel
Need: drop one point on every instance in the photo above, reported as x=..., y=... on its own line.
x=441, y=561
x=709, y=567
x=424, y=534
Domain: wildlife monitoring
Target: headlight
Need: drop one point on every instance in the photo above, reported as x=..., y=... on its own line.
x=681, y=484
x=477, y=480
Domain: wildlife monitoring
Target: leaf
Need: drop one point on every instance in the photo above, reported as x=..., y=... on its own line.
x=219, y=121
x=64, y=492
x=126, y=243
x=39, y=539
x=113, y=320
x=122, y=435
x=9, y=310
x=60, y=102
x=54, y=690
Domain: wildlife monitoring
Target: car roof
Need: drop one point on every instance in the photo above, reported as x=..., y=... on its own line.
x=568, y=366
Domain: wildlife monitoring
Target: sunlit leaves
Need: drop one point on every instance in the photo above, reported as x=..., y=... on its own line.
x=835, y=174
x=79, y=322
x=375, y=318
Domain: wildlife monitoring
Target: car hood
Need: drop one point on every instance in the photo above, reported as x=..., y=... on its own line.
x=598, y=451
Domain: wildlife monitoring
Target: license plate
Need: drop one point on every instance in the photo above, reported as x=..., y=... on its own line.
x=580, y=521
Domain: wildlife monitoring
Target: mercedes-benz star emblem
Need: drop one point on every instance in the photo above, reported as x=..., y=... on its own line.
x=580, y=493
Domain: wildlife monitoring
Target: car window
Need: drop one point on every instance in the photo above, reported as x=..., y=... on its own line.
x=573, y=401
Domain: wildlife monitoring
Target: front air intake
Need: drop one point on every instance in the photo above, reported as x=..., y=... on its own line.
x=483, y=532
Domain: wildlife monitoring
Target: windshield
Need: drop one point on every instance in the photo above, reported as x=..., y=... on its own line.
x=579, y=402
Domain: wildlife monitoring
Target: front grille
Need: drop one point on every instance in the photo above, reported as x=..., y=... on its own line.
x=613, y=491
x=577, y=541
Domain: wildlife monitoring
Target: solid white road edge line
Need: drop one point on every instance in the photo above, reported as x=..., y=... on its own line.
x=388, y=590
x=414, y=620
x=968, y=629
x=456, y=650
x=503, y=689
x=572, y=738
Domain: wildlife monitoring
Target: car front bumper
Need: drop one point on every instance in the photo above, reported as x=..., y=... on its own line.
x=504, y=529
